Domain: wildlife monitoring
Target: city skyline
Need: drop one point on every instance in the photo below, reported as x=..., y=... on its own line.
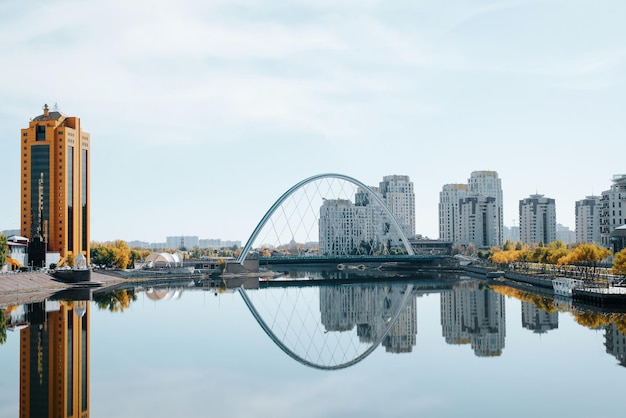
x=202, y=115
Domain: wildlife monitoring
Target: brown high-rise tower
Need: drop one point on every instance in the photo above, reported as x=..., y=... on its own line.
x=55, y=166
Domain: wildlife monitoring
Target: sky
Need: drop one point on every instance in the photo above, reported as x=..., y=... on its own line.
x=203, y=113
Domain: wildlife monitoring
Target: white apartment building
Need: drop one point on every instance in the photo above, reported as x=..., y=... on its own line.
x=537, y=219
x=449, y=212
x=479, y=215
x=588, y=219
x=397, y=192
x=487, y=183
x=613, y=209
x=344, y=226
x=479, y=220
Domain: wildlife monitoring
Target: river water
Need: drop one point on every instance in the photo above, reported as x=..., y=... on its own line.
x=421, y=346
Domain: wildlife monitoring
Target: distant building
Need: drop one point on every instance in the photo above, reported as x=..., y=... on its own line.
x=472, y=213
x=588, y=219
x=511, y=233
x=537, y=219
x=139, y=244
x=10, y=232
x=613, y=212
x=55, y=183
x=563, y=233
x=181, y=241
x=397, y=192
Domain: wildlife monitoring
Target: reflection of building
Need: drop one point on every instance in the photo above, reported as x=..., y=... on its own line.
x=54, y=360
x=538, y=320
x=615, y=343
x=403, y=335
x=471, y=315
x=537, y=219
x=370, y=309
x=55, y=183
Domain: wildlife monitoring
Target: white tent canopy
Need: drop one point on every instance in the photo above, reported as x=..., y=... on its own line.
x=164, y=260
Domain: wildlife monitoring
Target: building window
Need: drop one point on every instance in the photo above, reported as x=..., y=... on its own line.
x=40, y=133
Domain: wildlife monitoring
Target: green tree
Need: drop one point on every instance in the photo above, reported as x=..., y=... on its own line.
x=4, y=248
x=196, y=253
x=102, y=255
x=508, y=245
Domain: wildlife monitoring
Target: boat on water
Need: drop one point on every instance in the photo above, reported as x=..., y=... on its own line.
x=564, y=286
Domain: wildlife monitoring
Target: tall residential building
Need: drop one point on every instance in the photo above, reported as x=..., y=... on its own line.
x=449, y=212
x=480, y=223
x=588, y=219
x=537, y=219
x=55, y=183
x=344, y=227
x=613, y=212
x=397, y=192
x=487, y=183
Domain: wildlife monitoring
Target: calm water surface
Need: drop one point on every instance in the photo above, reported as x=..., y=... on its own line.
x=431, y=348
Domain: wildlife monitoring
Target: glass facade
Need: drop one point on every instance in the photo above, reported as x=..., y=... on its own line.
x=40, y=133
x=70, y=197
x=83, y=197
x=39, y=167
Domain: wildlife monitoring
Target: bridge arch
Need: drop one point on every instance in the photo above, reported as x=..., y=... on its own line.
x=246, y=249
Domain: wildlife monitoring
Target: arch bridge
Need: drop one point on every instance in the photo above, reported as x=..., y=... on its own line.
x=328, y=216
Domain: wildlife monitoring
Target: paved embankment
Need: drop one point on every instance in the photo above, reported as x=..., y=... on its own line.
x=18, y=288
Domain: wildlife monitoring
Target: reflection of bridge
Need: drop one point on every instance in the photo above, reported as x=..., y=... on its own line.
x=333, y=363
x=337, y=212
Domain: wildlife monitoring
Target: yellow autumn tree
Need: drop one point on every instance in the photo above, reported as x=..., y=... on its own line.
x=122, y=254
x=505, y=257
x=619, y=262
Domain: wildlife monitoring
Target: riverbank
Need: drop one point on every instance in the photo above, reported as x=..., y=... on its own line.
x=26, y=287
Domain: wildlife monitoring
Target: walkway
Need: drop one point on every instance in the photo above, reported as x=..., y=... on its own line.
x=29, y=287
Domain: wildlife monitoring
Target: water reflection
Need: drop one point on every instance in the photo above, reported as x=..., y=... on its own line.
x=473, y=314
x=322, y=326
x=54, y=357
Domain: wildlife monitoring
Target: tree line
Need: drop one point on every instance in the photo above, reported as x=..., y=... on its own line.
x=585, y=257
